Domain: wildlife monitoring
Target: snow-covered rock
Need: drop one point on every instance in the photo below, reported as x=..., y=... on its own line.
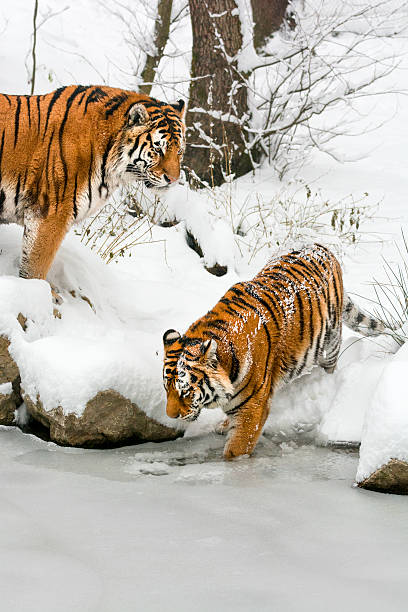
x=85, y=387
x=9, y=399
x=389, y=478
x=8, y=368
x=383, y=462
x=108, y=418
x=7, y=404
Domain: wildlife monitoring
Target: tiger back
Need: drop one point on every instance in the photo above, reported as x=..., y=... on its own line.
x=260, y=334
x=62, y=154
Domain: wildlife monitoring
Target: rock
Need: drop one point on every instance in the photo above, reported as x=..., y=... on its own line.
x=22, y=320
x=9, y=379
x=109, y=419
x=8, y=368
x=217, y=270
x=389, y=478
x=8, y=404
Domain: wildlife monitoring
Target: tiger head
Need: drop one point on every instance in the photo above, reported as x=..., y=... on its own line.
x=192, y=376
x=153, y=142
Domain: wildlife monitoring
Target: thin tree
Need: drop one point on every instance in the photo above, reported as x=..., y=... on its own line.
x=161, y=35
x=33, y=50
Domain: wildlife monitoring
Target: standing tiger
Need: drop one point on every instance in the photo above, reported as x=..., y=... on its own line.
x=62, y=154
x=262, y=333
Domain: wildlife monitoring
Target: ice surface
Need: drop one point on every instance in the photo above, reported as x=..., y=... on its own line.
x=173, y=527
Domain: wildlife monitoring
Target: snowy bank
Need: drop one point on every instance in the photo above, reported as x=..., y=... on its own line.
x=94, y=375
x=384, y=447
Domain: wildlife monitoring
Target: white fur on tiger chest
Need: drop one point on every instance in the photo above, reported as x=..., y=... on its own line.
x=91, y=200
x=11, y=209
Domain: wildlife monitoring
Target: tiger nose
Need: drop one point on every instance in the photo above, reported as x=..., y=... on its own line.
x=172, y=410
x=170, y=179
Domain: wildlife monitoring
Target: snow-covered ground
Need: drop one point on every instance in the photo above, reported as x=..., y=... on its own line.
x=170, y=526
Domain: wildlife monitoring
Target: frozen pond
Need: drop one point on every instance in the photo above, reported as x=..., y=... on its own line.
x=172, y=527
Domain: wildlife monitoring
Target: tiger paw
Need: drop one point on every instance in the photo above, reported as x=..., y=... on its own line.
x=84, y=298
x=56, y=297
x=222, y=427
x=236, y=449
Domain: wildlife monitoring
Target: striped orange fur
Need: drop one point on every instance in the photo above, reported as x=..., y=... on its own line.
x=63, y=153
x=260, y=334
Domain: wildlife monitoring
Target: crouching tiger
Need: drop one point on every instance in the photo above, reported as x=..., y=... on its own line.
x=62, y=154
x=262, y=333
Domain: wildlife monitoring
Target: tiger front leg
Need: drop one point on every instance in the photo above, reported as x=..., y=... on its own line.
x=41, y=240
x=246, y=429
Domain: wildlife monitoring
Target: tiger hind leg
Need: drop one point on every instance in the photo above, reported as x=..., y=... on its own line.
x=246, y=428
x=331, y=351
x=223, y=427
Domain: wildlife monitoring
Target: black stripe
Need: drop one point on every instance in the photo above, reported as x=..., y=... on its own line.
x=81, y=99
x=1, y=152
x=114, y=104
x=269, y=294
x=39, y=113
x=95, y=95
x=48, y=159
x=187, y=341
x=17, y=194
x=79, y=89
x=53, y=100
x=25, y=178
x=75, y=196
x=213, y=335
x=28, y=110
x=2, y=200
x=104, y=161
x=219, y=324
x=235, y=367
x=250, y=289
x=17, y=120
x=338, y=295
x=133, y=149
x=91, y=158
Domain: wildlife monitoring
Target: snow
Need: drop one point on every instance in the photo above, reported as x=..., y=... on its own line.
x=385, y=433
x=170, y=526
x=6, y=388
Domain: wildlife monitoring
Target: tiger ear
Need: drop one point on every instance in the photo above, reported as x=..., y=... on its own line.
x=137, y=115
x=180, y=107
x=170, y=336
x=209, y=352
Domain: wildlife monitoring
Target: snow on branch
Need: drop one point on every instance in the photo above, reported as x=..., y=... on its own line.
x=333, y=56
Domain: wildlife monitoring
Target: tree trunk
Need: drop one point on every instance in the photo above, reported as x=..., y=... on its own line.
x=161, y=35
x=268, y=16
x=218, y=104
